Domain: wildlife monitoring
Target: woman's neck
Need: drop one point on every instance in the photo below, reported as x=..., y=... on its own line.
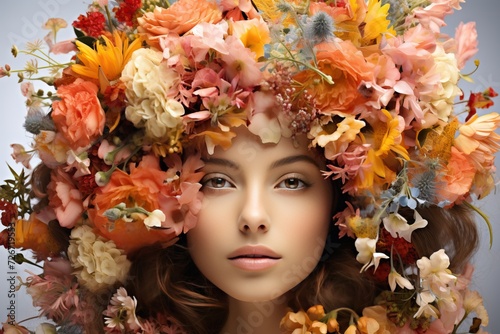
x=254, y=318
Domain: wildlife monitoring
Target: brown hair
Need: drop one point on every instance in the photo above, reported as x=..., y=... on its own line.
x=166, y=281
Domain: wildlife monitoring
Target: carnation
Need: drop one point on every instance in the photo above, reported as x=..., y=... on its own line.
x=98, y=263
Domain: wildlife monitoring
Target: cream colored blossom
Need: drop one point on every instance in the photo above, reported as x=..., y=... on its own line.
x=398, y=226
x=98, y=263
x=473, y=302
x=149, y=84
x=396, y=278
x=367, y=254
x=440, y=100
x=155, y=219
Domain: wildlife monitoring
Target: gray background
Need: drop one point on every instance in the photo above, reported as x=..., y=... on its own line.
x=20, y=22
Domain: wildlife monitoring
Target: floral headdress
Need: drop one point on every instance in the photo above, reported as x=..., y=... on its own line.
x=373, y=83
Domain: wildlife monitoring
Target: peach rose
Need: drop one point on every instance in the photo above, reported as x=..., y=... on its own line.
x=347, y=67
x=179, y=18
x=79, y=115
x=64, y=198
x=142, y=187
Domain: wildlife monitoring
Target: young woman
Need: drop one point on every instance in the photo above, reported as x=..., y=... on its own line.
x=194, y=155
x=265, y=244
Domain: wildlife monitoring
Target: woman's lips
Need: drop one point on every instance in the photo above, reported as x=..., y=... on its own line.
x=254, y=258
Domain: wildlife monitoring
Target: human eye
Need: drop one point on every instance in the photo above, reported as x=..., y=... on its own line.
x=292, y=183
x=216, y=182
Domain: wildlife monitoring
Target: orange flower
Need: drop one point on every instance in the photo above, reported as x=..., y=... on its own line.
x=35, y=235
x=78, y=115
x=368, y=325
x=477, y=139
x=348, y=68
x=140, y=188
x=179, y=18
x=458, y=175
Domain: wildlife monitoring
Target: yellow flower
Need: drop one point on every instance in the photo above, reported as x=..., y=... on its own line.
x=376, y=21
x=385, y=144
x=351, y=330
x=254, y=34
x=107, y=58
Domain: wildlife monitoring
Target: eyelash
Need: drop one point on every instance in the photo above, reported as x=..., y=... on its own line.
x=209, y=183
x=205, y=182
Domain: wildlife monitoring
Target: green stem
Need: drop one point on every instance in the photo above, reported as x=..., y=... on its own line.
x=485, y=217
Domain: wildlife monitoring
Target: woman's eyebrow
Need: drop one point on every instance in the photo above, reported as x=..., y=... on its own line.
x=221, y=162
x=294, y=158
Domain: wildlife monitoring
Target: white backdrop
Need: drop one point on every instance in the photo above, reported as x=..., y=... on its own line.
x=20, y=22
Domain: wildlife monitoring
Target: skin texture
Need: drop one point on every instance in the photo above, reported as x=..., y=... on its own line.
x=268, y=196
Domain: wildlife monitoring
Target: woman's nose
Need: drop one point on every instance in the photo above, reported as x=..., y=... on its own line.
x=254, y=215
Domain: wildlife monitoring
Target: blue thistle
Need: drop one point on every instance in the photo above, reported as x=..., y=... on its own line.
x=37, y=121
x=319, y=28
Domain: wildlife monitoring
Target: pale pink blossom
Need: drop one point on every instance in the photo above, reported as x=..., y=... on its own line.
x=466, y=39
x=20, y=155
x=63, y=47
x=240, y=64
x=64, y=198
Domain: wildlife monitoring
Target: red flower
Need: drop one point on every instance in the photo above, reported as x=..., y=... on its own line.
x=9, y=212
x=92, y=24
x=127, y=11
x=399, y=246
x=480, y=100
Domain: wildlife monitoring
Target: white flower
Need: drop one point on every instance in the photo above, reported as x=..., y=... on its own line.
x=436, y=267
x=149, y=85
x=155, y=219
x=366, y=248
x=397, y=225
x=424, y=300
x=98, y=263
x=435, y=283
x=396, y=278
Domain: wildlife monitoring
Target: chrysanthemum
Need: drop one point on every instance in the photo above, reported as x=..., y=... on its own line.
x=477, y=139
x=109, y=57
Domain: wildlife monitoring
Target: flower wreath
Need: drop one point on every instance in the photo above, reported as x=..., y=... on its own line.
x=374, y=83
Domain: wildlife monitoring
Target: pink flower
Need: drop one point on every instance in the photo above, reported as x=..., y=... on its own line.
x=55, y=293
x=181, y=200
x=20, y=155
x=241, y=64
x=63, y=47
x=466, y=38
x=64, y=198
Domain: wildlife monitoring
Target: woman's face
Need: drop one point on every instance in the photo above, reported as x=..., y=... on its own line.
x=265, y=217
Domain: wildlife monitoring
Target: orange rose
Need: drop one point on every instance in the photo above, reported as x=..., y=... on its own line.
x=142, y=187
x=458, y=176
x=179, y=18
x=347, y=67
x=79, y=115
